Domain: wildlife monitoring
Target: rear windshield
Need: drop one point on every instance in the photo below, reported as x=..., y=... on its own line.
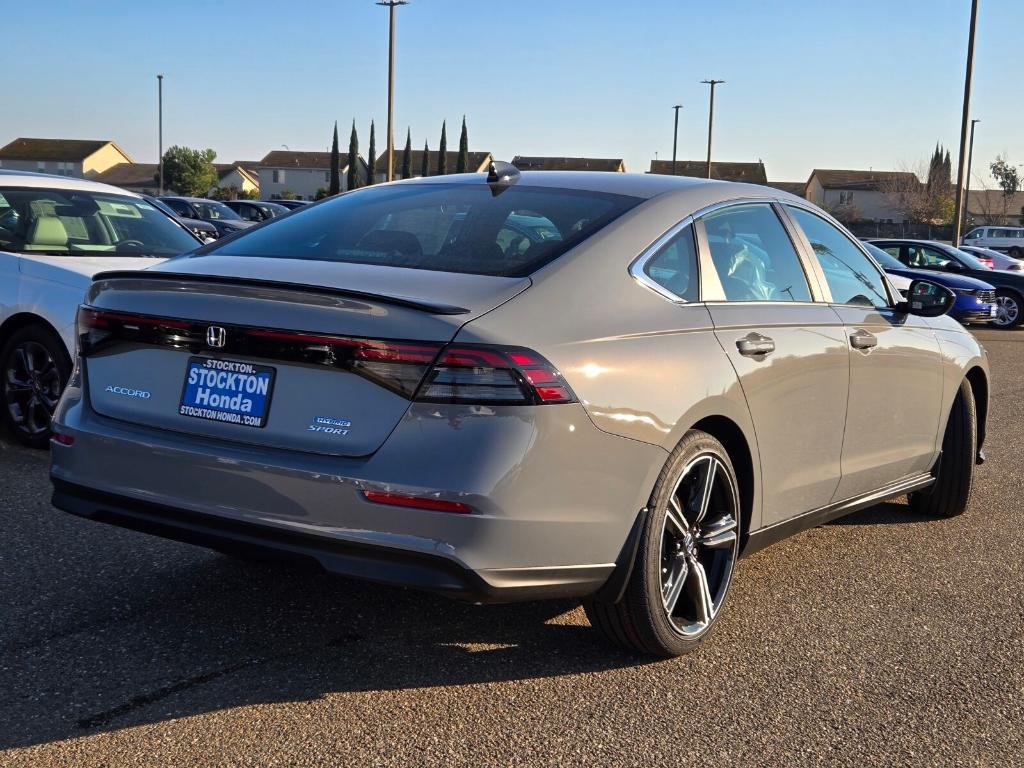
x=442, y=227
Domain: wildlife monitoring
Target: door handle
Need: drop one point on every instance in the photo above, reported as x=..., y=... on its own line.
x=755, y=344
x=861, y=339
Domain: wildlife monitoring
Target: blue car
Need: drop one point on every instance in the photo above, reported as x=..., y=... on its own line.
x=975, y=300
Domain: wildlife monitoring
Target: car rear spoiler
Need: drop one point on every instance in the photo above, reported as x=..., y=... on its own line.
x=423, y=305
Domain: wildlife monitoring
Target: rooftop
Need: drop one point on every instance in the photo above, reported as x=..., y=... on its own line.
x=753, y=173
x=538, y=163
x=61, y=150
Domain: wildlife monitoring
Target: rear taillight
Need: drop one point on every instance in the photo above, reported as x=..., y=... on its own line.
x=429, y=503
x=493, y=376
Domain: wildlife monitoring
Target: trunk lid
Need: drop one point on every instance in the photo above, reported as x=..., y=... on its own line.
x=293, y=344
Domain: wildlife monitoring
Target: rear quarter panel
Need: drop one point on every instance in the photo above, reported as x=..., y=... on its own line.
x=644, y=368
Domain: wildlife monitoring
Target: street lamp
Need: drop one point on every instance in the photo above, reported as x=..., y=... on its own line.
x=959, y=214
x=675, y=137
x=711, y=117
x=160, y=130
x=391, y=84
x=967, y=189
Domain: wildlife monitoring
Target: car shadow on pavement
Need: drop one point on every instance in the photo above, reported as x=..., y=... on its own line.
x=887, y=513
x=209, y=633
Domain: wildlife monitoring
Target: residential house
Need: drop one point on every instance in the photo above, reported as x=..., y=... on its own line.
x=478, y=161
x=752, y=173
x=858, y=195
x=237, y=177
x=991, y=206
x=523, y=163
x=797, y=188
x=135, y=177
x=142, y=178
x=284, y=173
x=82, y=159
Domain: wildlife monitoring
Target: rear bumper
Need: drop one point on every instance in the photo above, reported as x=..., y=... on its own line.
x=373, y=563
x=553, y=498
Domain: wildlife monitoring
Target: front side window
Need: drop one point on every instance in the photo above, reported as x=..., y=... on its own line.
x=921, y=257
x=211, y=210
x=674, y=266
x=442, y=227
x=66, y=222
x=851, y=277
x=753, y=255
x=974, y=234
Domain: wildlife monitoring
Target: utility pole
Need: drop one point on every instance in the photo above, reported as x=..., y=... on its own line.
x=675, y=137
x=967, y=186
x=959, y=215
x=160, y=130
x=711, y=117
x=391, y=85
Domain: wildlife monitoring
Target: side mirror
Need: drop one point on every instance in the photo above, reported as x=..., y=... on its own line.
x=926, y=299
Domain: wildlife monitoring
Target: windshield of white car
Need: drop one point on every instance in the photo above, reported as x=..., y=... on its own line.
x=72, y=222
x=470, y=228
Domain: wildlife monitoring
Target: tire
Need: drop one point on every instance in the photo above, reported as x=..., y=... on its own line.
x=954, y=471
x=1010, y=308
x=685, y=559
x=1015, y=253
x=34, y=369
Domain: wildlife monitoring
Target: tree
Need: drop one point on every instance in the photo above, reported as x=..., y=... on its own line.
x=425, y=168
x=442, y=151
x=1006, y=176
x=189, y=172
x=371, y=157
x=407, y=156
x=335, y=163
x=321, y=194
x=463, y=162
x=353, y=159
x=286, y=194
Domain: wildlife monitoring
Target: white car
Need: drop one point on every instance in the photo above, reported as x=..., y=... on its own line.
x=55, y=234
x=1007, y=239
x=999, y=260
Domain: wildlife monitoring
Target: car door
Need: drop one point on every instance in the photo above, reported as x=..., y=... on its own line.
x=787, y=348
x=895, y=365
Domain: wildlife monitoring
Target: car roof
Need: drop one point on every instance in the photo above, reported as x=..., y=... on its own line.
x=643, y=185
x=9, y=178
x=189, y=199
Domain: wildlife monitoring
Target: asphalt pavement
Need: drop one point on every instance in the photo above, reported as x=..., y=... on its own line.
x=881, y=639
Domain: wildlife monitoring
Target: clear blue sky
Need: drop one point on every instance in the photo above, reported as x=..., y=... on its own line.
x=867, y=84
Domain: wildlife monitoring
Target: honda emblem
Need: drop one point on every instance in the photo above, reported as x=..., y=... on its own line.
x=216, y=337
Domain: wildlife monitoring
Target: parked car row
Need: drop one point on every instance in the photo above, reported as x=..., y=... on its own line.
x=1009, y=240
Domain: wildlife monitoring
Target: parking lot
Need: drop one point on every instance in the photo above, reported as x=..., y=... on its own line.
x=879, y=639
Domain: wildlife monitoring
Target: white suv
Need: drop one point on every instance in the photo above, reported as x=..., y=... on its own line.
x=1007, y=239
x=55, y=234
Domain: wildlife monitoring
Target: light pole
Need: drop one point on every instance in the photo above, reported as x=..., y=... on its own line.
x=675, y=137
x=967, y=186
x=711, y=117
x=391, y=85
x=959, y=215
x=160, y=130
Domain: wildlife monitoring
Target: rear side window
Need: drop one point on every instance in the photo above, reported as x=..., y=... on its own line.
x=851, y=277
x=443, y=227
x=753, y=255
x=674, y=266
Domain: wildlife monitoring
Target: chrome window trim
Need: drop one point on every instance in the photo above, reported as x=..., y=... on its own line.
x=637, y=267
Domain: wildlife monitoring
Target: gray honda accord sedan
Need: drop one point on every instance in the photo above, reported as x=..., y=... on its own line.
x=511, y=386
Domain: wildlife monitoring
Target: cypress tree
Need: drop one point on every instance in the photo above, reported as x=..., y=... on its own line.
x=335, y=164
x=463, y=162
x=425, y=168
x=353, y=159
x=442, y=151
x=407, y=156
x=371, y=157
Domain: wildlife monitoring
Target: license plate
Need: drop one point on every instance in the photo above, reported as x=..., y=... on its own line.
x=227, y=390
